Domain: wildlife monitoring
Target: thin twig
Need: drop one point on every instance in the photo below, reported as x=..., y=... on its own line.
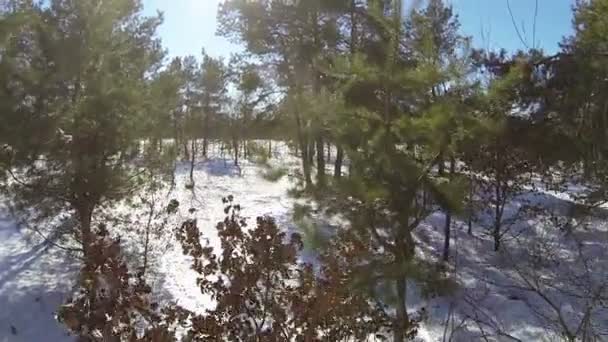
x=534, y=24
x=521, y=38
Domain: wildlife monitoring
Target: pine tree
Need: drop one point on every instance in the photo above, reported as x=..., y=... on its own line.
x=85, y=87
x=214, y=91
x=434, y=39
x=390, y=141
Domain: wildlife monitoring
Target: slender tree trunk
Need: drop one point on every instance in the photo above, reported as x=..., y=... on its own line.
x=498, y=197
x=85, y=214
x=353, y=50
x=192, y=159
x=311, y=152
x=302, y=139
x=496, y=235
x=320, y=160
x=497, y=219
x=186, y=154
x=401, y=324
x=147, y=240
x=402, y=321
x=207, y=128
x=328, y=159
x=296, y=149
x=84, y=218
x=448, y=219
x=269, y=148
x=471, y=205
x=338, y=162
x=403, y=254
x=306, y=167
x=235, y=146
x=205, y=146
x=440, y=164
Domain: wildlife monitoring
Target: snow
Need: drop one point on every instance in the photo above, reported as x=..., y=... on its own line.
x=35, y=278
x=213, y=181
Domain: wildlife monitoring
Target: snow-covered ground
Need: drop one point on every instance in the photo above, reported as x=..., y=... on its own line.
x=34, y=281
x=36, y=277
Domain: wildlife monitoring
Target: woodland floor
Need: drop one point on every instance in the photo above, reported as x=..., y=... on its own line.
x=35, y=277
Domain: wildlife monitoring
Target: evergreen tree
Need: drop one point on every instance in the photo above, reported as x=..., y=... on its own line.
x=214, y=80
x=390, y=141
x=84, y=88
x=433, y=38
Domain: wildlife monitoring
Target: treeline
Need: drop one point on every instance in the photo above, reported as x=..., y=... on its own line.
x=420, y=121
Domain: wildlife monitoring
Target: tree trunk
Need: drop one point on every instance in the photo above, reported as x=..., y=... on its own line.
x=401, y=324
x=320, y=161
x=471, y=210
x=269, y=148
x=448, y=218
x=496, y=232
x=497, y=216
x=186, y=154
x=447, y=230
x=311, y=152
x=85, y=213
x=404, y=253
x=147, y=240
x=192, y=160
x=328, y=159
x=401, y=318
x=496, y=235
x=205, y=146
x=440, y=164
x=206, y=133
x=302, y=141
x=235, y=147
x=338, y=162
x=84, y=218
x=307, y=169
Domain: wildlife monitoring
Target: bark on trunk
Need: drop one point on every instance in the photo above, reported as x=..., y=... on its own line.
x=401, y=324
x=85, y=213
x=192, y=160
x=186, y=154
x=496, y=236
x=447, y=230
x=338, y=162
x=269, y=148
x=84, y=216
x=235, y=147
x=147, y=242
x=320, y=161
x=311, y=151
x=404, y=253
x=471, y=208
x=206, y=136
x=497, y=215
x=205, y=146
x=448, y=219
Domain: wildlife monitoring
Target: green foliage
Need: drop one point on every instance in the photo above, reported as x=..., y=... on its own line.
x=79, y=74
x=274, y=174
x=258, y=153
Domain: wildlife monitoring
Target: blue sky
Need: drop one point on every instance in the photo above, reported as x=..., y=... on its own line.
x=190, y=24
